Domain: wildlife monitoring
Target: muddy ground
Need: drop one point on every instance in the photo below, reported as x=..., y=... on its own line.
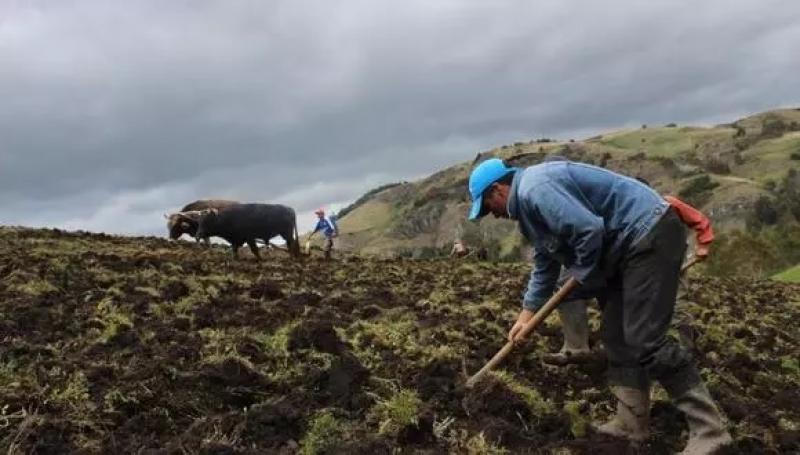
x=125, y=345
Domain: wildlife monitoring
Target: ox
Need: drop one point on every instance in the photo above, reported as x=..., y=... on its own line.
x=187, y=220
x=245, y=223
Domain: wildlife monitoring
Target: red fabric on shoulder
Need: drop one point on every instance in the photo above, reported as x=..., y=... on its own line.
x=693, y=218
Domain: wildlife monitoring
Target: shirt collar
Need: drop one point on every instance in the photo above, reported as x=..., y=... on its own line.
x=512, y=206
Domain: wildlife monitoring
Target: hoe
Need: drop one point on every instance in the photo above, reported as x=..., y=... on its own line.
x=537, y=319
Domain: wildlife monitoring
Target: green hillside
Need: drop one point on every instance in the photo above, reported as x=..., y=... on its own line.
x=790, y=276
x=744, y=175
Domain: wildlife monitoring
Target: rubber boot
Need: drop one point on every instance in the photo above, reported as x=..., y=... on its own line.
x=575, y=325
x=632, y=420
x=707, y=433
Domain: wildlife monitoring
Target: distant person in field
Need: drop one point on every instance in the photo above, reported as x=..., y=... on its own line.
x=459, y=249
x=462, y=251
x=616, y=234
x=573, y=310
x=328, y=228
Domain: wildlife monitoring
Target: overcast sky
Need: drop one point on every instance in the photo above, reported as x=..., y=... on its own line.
x=114, y=112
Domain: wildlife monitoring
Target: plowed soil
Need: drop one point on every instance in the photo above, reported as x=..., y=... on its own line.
x=139, y=345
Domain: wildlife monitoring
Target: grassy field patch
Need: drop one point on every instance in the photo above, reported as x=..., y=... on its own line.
x=791, y=275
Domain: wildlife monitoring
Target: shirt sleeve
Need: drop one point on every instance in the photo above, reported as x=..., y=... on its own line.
x=694, y=219
x=542, y=282
x=574, y=224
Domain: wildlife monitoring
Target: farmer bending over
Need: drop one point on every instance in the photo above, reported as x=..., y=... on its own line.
x=572, y=311
x=612, y=233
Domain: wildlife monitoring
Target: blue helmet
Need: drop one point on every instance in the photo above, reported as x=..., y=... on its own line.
x=482, y=178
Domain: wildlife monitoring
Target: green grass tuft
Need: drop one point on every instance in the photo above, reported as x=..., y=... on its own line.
x=323, y=434
x=537, y=404
x=113, y=319
x=35, y=288
x=74, y=395
x=578, y=423
x=399, y=411
x=478, y=445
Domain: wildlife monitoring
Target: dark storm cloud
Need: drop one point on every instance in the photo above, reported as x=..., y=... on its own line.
x=114, y=112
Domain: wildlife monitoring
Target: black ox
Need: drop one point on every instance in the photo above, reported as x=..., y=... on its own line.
x=245, y=223
x=187, y=220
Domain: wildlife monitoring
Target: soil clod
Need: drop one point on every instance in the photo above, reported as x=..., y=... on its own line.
x=317, y=334
x=266, y=289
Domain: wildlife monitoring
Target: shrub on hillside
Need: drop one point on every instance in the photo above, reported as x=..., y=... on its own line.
x=742, y=143
x=604, y=159
x=773, y=128
x=435, y=194
x=640, y=156
x=717, y=165
x=789, y=194
x=765, y=213
x=697, y=191
x=741, y=254
x=525, y=159
x=670, y=166
x=755, y=253
x=572, y=151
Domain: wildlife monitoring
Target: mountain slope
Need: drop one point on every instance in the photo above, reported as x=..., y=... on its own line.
x=725, y=170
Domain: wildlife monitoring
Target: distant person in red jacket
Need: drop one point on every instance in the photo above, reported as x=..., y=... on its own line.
x=573, y=310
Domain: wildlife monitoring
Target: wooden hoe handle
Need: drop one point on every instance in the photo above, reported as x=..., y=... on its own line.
x=537, y=319
x=694, y=260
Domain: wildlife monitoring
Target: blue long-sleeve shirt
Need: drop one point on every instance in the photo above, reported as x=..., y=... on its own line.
x=580, y=216
x=326, y=226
